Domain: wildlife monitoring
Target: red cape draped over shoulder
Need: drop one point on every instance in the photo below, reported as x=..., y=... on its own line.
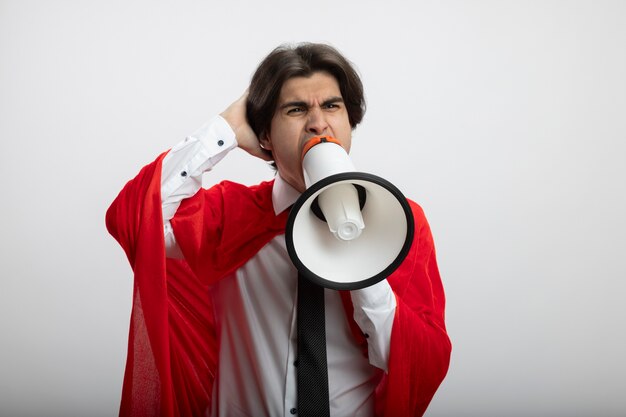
x=172, y=346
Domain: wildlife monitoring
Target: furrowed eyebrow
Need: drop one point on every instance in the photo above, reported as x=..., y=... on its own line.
x=332, y=100
x=294, y=104
x=326, y=102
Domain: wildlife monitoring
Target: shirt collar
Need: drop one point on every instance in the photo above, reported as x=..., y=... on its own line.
x=283, y=195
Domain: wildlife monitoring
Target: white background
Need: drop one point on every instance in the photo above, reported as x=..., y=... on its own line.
x=505, y=120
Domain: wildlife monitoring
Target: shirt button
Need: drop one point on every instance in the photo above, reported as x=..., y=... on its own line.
x=183, y=174
x=293, y=411
x=295, y=363
x=366, y=335
x=220, y=142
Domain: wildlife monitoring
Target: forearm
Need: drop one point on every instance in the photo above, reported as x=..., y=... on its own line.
x=374, y=310
x=183, y=166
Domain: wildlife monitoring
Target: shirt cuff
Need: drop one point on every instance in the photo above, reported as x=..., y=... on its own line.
x=198, y=153
x=374, y=311
x=217, y=136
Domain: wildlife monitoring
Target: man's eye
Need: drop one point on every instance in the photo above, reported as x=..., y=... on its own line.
x=332, y=106
x=295, y=110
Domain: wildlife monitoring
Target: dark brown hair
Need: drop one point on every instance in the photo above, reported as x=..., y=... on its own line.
x=302, y=60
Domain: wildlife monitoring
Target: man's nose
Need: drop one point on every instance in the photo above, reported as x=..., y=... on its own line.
x=316, y=122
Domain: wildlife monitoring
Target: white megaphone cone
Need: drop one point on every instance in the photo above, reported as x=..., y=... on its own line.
x=349, y=229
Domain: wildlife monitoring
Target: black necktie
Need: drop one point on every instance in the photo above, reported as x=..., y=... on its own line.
x=312, y=365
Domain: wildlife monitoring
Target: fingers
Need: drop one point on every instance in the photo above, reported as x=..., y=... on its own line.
x=235, y=116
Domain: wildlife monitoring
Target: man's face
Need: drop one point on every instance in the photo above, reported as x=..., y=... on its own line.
x=307, y=107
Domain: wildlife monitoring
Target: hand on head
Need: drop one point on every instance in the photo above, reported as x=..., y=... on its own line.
x=235, y=116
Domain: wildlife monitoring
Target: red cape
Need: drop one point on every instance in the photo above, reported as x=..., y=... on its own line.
x=172, y=347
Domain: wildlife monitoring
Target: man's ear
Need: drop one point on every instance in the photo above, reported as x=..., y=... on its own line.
x=265, y=141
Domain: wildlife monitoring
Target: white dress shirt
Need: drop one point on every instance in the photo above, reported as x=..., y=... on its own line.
x=255, y=307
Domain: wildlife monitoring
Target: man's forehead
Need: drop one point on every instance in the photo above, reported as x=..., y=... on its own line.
x=318, y=86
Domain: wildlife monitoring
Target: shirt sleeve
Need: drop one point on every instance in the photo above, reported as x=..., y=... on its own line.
x=183, y=166
x=374, y=310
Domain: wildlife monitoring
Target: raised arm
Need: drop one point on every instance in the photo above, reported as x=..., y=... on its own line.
x=184, y=165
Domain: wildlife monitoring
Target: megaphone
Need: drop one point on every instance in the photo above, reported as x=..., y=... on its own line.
x=349, y=229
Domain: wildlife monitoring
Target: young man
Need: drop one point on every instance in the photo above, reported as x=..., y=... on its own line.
x=214, y=322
